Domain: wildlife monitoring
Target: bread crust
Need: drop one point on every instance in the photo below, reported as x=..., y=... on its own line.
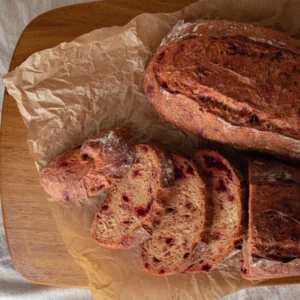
x=89, y=169
x=187, y=113
x=272, y=249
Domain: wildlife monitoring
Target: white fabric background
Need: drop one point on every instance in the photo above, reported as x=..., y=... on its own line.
x=14, y=16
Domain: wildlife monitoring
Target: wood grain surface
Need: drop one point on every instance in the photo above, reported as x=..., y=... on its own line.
x=37, y=250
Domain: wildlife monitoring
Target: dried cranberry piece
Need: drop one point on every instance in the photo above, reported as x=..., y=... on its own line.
x=221, y=186
x=150, y=90
x=65, y=196
x=170, y=241
x=144, y=148
x=136, y=172
x=231, y=198
x=104, y=207
x=125, y=198
x=216, y=236
x=142, y=211
x=161, y=55
x=215, y=163
x=206, y=267
x=62, y=164
x=188, y=205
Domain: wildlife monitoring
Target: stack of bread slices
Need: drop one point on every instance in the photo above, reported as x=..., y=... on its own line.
x=186, y=215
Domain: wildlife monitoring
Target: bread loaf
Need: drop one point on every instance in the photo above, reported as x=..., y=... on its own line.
x=272, y=248
x=230, y=82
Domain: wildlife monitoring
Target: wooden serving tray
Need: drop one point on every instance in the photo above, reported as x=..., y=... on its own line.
x=36, y=248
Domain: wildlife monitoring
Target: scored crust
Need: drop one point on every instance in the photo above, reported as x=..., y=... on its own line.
x=205, y=109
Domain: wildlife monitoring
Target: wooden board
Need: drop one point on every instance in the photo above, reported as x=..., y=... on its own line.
x=36, y=248
x=35, y=245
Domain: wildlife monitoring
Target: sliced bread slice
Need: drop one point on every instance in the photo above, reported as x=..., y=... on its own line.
x=183, y=228
x=272, y=249
x=63, y=178
x=227, y=194
x=90, y=169
x=133, y=205
x=113, y=153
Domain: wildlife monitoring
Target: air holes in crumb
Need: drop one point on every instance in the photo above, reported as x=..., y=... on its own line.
x=85, y=156
x=254, y=119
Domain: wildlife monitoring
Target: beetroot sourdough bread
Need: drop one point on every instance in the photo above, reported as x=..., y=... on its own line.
x=225, y=186
x=91, y=168
x=183, y=229
x=113, y=153
x=134, y=205
x=64, y=177
x=230, y=82
x=273, y=245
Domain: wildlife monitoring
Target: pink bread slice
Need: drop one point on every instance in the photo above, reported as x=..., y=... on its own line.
x=227, y=194
x=90, y=169
x=63, y=178
x=133, y=206
x=183, y=229
x=113, y=153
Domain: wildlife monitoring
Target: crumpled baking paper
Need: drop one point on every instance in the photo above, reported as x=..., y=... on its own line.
x=73, y=91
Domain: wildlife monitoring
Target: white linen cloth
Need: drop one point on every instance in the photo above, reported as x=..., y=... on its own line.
x=14, y=16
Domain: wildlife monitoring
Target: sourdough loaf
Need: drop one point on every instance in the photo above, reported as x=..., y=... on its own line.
x=272, y=248
x=230, y=82
x=134, y=205
x=91, y=168
x=183, y=229
x=225, y=186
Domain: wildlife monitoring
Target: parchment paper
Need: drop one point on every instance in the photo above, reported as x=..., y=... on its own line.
x=72, y=91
